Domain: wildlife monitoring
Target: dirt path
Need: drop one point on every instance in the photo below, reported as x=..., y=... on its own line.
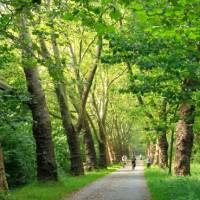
x=124, y=184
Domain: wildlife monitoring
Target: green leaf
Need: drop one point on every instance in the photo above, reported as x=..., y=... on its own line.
x=115, y=14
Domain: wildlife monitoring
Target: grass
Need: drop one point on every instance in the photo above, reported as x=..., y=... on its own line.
x=59, y=190
x=165, y=187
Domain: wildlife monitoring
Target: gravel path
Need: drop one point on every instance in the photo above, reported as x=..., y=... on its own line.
x=124, y=184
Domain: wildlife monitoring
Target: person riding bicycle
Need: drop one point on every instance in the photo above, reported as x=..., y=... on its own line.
x=124, y=159
x=133, y=162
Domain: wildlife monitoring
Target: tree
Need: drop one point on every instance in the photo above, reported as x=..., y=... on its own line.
x=46, y=165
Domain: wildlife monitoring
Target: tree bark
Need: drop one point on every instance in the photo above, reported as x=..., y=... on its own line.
x=163, y=150
x=162, y=138
x=46, y=165
x=156, y=156
x=89, y=144
x=101, y=139
x=72, y=136
x=102, y=146
x=102, y=133
x=151, y=151
x=3, y=181
x=184, y=139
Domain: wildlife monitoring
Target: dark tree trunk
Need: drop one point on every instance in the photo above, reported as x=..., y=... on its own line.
x=184, y=139
x=102, y=155
x=89, y=144
x=46, y=165
x=102, y=149
x=3, y=181
x=163, y=150
x=72, y=136
x=162, y=138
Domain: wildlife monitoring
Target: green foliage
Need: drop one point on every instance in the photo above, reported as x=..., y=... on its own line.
x=16, y=137
x=61, y=147
x=19, y=154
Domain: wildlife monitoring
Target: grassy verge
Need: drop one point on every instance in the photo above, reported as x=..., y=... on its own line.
x=57, y=191
x=165, y=187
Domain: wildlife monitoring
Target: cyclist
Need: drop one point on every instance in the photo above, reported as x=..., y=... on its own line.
x=133, y=162
x=124, y=159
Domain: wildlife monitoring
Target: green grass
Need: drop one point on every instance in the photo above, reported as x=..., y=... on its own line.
x=59, y=190
x=165, y=187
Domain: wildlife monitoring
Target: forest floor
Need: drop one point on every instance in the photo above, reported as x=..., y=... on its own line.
x=165, y=187
x=124, y=184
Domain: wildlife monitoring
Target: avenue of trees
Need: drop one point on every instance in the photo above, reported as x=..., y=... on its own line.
x=83, y=82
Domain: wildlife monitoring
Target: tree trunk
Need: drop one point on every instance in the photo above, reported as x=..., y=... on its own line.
x=109, y=154
x=102, y=155
x=102, y=148
x=72, y=136
x=184, y=139
x=151, y=150
x=156, y=156
x=3, y=181
x=162, y=138
x=46, y=165
x=163, y=150
x=89, y=144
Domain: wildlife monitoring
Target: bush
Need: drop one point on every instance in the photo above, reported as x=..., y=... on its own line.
x=19, y=156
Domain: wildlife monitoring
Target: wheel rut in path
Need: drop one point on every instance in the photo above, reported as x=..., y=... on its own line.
x=124, y=184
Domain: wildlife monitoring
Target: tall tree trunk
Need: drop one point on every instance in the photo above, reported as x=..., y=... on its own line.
x=102, y=148
x=101, y=119
x=72, y=136
x=163, y=150
x=184, y=139
x=89, y=144
x=162, y=138
x=109, y=154
x=3, y=181
x=151, y=150
x=156, y=156
x=46, y=165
